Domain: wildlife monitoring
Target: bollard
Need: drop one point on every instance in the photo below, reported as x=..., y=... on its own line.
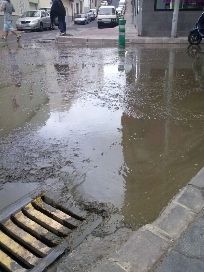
x=121, y=40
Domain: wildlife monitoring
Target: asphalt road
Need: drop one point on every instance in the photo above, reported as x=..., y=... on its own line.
x=51, y=34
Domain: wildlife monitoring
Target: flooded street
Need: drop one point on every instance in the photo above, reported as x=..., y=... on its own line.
x=116, y=126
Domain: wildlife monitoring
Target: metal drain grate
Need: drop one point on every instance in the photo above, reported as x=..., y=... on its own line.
x=35, y=231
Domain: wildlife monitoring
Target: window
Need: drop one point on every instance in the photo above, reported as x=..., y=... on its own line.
x=184, y=5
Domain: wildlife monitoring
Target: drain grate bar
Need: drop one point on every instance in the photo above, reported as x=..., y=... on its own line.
x=20, y=252
x=56, y=214
x=8, y=264
x=25, y=239
x=36, y=231
x=45, y=221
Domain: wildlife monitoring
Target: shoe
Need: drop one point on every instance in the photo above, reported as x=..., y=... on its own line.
x=63, y=34
x=4, y=38
x=18, y=38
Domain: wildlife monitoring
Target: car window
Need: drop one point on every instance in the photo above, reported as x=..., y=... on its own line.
x=43, y=14
x=106, y=11
x=32, y=13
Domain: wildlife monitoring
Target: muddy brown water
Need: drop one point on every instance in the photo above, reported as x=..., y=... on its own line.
x=125, y=126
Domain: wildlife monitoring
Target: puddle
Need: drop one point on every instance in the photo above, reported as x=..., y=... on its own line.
x=126, y=127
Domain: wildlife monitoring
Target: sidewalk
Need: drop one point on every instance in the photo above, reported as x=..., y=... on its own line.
x=109, y=36
x=173, y=243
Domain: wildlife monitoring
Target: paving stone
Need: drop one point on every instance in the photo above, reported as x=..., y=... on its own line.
x=177, y=262
x=174, y=220
x=191, y=242
x=192, y=198
x=198, y=180
x=141, y=251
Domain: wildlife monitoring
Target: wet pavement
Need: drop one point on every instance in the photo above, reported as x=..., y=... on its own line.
x=116, y=126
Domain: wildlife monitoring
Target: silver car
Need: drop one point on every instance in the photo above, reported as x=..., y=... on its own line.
x=35, y=19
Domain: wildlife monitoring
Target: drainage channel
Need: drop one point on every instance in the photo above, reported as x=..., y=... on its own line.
x=35, y=231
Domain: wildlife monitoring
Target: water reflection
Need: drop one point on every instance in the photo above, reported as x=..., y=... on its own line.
x=162, y=133
x=22, y=89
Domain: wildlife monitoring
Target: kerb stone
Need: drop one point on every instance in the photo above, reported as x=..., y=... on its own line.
x=198, y=180
x=141, y=251
x=174, y=220
x=192, y=198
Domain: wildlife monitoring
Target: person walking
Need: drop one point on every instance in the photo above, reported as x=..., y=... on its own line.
x=58, y=10
x=8, y=9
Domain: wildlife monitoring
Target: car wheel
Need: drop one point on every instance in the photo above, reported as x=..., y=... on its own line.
x=194, y=38
x=99, y=25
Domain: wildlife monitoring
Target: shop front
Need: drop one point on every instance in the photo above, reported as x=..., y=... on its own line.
x=153, y=18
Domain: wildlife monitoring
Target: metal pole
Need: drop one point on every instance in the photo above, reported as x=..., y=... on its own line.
x=175, y=18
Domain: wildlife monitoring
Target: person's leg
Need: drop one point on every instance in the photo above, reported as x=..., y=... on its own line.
x=6, y=31
x=18, y=36
x=60, y=23
x=64, y=25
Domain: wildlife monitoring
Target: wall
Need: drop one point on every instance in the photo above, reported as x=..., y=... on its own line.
x=44, y=3
x=158, y=23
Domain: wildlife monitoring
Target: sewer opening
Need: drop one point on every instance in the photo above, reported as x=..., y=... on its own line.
x=36, y=229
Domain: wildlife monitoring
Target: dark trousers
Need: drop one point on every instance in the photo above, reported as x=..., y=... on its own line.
x=62, y=24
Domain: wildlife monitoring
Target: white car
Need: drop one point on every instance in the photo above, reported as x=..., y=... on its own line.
x=34, y=19
x=81, y=19
x=94, y=12
x=120, y=11
x=104, y=3
x=107, y=16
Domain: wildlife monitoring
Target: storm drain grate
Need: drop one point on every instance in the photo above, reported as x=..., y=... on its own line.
x=35, y=231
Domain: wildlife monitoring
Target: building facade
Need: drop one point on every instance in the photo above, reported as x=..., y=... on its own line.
x=154, y=17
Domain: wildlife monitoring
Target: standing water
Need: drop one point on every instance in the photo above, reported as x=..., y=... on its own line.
x=123, y=126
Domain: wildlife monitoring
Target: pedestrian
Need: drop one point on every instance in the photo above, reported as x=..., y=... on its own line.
x=8, y=9
x=58, y=10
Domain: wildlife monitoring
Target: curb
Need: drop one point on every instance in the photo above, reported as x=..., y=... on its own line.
x=114, y=41
x=87, y=41
x=150, y=243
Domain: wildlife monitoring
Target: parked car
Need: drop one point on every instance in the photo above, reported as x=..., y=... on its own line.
x=34, y=19
x=94, y=12
x=107, y=16
x=122, y=4
x=104, y=3
x=120, y=11
x=81, y=19
x=47, y=9
x=91, y=15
